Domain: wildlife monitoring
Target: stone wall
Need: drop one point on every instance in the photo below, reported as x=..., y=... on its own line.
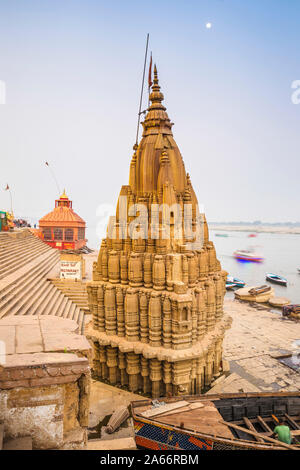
x=48, y=401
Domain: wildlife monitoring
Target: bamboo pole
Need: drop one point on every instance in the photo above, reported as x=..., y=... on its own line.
x=256, y=434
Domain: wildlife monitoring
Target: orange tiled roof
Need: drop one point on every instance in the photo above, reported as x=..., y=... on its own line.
x=62, y=214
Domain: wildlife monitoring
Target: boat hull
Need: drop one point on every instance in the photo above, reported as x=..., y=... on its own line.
x=280, y=282
x=247, y=258
x=155, y=435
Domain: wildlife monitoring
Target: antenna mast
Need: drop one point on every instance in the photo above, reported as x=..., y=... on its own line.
x=142, y=90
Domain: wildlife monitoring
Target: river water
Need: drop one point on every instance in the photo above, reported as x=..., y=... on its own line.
x=281, y=253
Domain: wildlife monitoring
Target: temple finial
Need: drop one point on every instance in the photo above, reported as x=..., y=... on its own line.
x=155, y=80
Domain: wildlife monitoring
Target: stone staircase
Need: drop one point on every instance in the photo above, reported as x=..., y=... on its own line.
x=25, y=262
x=75, y=290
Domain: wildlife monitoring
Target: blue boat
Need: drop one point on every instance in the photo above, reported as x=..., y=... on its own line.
x=233, y=282
x=276, y=279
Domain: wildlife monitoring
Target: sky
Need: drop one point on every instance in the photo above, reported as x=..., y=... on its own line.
x=72, y=72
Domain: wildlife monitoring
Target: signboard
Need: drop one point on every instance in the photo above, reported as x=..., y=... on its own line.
x=70, y=269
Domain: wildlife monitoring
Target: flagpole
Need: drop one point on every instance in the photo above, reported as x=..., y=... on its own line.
x=10, y=196
x=149, y=79
x=142, y=89
x=53, y=176
x=11, y=206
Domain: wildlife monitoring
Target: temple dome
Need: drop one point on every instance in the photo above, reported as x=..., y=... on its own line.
x=62, y=213
x=157, y=138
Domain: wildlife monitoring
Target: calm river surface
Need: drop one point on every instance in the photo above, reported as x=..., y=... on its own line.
x=281, y=253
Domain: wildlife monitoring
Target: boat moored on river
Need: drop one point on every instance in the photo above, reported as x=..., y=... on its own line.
x=276, y=279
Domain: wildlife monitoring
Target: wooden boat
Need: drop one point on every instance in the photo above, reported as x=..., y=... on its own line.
x=292, y=311
x=232, y=282
x=216, y=422
x=276, y=279
x=247, y=255
x=255, y=294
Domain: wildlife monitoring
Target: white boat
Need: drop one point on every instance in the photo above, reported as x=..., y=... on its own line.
x=247, y=255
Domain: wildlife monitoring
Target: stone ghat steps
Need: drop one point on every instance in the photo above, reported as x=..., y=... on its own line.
x=45, y=264
x=75, y=290
x=26, y=290
x=27, y=249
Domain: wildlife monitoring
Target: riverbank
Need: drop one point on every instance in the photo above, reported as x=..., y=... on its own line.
x=255, y=228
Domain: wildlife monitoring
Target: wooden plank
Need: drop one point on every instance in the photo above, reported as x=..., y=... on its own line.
x=163, y=408
x=252, y=428
x=190, y=407
x=264, y=424
x=291, y=421
x=269, y=439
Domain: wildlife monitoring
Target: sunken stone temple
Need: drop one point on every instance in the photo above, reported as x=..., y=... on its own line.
x=157, y=292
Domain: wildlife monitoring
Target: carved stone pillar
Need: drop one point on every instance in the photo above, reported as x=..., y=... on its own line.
x=192, y=269
x=148, y=270
x=122, y=367
x=167, y=323
x=133, y=370
x=167, y=377
x=219, y=296
x=110, y=310
x=112, y=363
x=185, y=270
x=209, y=367
x=96, y=360
x=211, y=305
x=113, y=267
x=102, y=359
x=194, y=320
x=144, y=329
x=124, y=268
x=132, y=320
x=135, y=270
x=155, y=377
x=104, y=261
x=155, y=322
x=120, y=312
x=202, y=311
x=101, y=310
x=92, y=296
x=159, y=273
x=145, y=375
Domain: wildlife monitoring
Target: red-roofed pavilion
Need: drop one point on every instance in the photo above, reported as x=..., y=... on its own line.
x=63, y=228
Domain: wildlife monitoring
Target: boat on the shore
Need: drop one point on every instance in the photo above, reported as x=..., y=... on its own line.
x=221, y=235
x=252, y=235
x=232, y=282
x=248, y=255
x=291, y=311
x=260, y=294
x=216, y=422
x=276, y=279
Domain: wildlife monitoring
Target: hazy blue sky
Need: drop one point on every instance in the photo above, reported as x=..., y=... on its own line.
x=73, y=75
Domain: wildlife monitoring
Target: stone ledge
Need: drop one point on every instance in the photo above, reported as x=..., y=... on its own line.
x=162, y=354
x=126, y=443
